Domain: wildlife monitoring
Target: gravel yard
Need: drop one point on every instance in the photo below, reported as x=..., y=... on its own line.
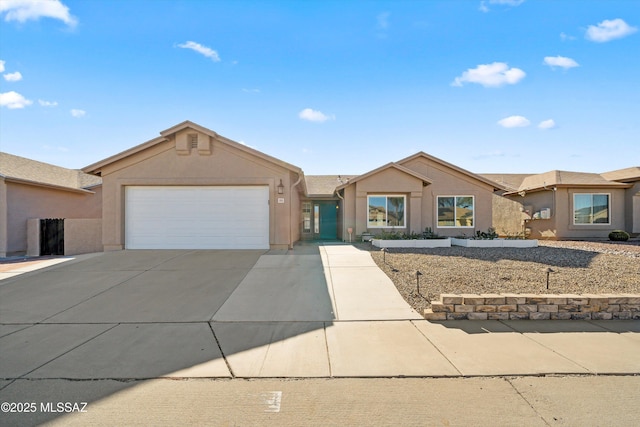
x=579, y=267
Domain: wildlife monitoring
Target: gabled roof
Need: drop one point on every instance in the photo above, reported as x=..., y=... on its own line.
x=27, y=171
x=382, y=168
x=623, y=175
x=166, y=135
x=422, y=154
x=558, y=178
x=324, y=185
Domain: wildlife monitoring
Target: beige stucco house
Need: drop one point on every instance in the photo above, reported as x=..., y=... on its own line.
x=32, y=190
x=191, y=188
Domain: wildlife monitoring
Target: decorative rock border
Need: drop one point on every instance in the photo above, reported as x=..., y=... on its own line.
x=535, y=307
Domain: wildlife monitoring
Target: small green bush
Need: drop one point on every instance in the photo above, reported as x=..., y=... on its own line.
x=490, y=234
x=619, y=236
x=429, y=234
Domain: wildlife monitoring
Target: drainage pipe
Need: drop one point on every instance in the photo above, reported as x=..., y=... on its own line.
x=300, y=175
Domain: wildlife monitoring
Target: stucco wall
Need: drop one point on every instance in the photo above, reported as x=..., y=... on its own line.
x=28, y=201
x=162, y=164
x=632, y=206
x=508, y=216
x=82, y=236
x=3, y=218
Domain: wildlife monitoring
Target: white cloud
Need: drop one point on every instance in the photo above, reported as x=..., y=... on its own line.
x=314, y=116
x=513, y=3
x=609, y=30
x=47, y=103
x=203, y=50
x=13, y=77
x=507, y=2
x=78, y=113
x=547, y=124
x=565, y=37
x=490, y=75
x=514, y=122
x=13, y=100
x=246, y=90
x=25, y=10
x=2, y=66
x=560, y=61
x=383, y=20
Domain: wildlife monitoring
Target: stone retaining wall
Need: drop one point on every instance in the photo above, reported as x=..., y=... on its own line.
x=535, y=307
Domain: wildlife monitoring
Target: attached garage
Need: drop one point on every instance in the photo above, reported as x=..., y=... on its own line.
x=191, y=188
x=197, y=217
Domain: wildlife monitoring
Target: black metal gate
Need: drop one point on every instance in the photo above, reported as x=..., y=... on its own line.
x=52, y=236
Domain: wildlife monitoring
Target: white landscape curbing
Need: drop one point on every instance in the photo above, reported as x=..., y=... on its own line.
x=494, y=243
x=425, y=243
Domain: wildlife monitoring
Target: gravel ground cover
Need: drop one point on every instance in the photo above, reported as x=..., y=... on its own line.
x=579, y=267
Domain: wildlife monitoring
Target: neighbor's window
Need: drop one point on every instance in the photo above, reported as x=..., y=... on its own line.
x=455, y=211
x=386, y=211
x=591, y=208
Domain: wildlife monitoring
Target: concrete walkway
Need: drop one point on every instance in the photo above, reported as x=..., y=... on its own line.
x=315, y=311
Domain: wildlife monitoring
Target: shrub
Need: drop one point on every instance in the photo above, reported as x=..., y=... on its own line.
x=411, y=236
x=429, y=234
x=490, y=234
x=619, y=236
x=389, y=235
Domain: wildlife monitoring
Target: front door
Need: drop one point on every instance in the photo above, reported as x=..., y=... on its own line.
x=325, y=216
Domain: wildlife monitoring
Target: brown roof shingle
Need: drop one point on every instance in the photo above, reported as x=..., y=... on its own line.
x=325, y=185
x=27, y=170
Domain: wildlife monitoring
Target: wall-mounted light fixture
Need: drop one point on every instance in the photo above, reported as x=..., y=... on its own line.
x=281, y=187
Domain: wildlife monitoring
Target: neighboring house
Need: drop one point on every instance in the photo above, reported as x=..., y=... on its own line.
x=574, y=205
x=31, y=189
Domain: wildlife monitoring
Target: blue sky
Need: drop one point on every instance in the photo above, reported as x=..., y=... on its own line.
x=334, y=87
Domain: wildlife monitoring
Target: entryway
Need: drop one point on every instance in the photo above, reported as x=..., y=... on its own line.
x=325, y=220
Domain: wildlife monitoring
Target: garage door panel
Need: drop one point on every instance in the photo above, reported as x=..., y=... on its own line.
x=197, y=217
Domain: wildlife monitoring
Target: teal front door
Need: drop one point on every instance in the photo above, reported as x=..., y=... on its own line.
x=325, y=220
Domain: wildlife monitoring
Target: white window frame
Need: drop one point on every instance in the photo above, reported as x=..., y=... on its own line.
x=590, y=224
x=386, y=196
x=455, y=205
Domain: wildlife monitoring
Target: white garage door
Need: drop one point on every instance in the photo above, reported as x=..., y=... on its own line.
x=185, y=217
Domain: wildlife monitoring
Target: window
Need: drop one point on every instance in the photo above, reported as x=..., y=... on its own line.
x=386, y=211
x=306, y=217
x=316, y=219
x=455, y=211
x=591, y=208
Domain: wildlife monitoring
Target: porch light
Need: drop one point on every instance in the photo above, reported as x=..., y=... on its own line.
x=281, y=187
